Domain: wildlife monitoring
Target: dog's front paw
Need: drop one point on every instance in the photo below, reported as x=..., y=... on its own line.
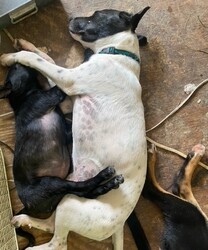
x=58, y=93
x=119, y=179
x=7, y=59
x=107, y=172
x=21, y=220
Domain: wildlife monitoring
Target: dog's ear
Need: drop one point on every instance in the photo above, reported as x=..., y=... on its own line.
x=137, y=17
x=4, y=91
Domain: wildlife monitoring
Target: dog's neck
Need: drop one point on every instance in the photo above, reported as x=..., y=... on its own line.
x=114, y=51
x=125, y=40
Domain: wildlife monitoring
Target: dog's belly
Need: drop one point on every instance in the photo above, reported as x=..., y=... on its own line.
x=103, y=138
x=107, y=136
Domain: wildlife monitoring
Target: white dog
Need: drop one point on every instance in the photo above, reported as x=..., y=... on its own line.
x=108, y=125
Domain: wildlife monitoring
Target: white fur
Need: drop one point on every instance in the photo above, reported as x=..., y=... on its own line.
x=108, y=130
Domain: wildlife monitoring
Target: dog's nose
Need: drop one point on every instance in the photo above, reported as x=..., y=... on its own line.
x=77, y=26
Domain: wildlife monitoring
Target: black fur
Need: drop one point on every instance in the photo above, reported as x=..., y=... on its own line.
x=101, y=24
x=42, y=157
x=138, y=233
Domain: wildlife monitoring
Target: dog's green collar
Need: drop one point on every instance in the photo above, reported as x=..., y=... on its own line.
x=114, y=51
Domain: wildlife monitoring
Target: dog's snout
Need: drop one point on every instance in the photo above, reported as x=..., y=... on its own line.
x=76, y=26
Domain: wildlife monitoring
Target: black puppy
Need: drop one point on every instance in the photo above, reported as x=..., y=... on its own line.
x=186, y=225
x=42, y=157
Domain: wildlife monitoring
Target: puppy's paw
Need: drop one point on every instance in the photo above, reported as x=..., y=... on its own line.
x=108, y=172
x=21, y=220
x=62, y=95
x=8, y=59
x=119, y=179
x=57, y=93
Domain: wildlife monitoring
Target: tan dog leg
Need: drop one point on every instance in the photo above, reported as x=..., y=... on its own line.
x=151, y=169
x=21, y=44
x=182, y=186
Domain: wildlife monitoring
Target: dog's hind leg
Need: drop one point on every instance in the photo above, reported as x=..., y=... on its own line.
x=181, y=216
x=59, y=240
x=182, y=183
x=152, y=189
x=46, y=225
x=117, y=239
x=104, y=188
x=151, y=170
x=53, y=189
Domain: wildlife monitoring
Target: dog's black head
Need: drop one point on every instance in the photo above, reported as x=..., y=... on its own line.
x=19, y=81
x=104, y=23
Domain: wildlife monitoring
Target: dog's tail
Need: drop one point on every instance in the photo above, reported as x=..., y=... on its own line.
x=138, y=232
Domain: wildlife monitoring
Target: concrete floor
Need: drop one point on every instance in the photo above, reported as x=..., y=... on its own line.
x=177, y=54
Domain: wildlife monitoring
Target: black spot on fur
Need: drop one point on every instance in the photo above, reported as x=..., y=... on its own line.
x=40, y=60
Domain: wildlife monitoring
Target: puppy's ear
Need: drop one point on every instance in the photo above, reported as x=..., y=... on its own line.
x=137, y=17
x=4, y=91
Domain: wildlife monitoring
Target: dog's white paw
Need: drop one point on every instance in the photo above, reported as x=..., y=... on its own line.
x=49, y=246
x=199, y=149
x=21, y=220
x=7, y=59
